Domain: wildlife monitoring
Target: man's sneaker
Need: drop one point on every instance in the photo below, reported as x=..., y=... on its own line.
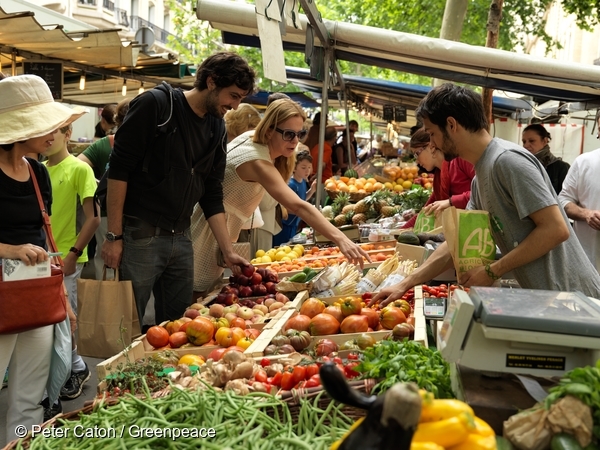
x=50, y=412
x=74, y=385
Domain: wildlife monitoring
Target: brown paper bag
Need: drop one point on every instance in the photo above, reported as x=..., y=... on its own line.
x=469, y=238
x=527, y=429
x=101, y=306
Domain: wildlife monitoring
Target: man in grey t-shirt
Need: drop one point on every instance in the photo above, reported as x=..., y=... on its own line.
x=528, y=224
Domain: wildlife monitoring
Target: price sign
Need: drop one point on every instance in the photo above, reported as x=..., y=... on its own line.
x=51, y=72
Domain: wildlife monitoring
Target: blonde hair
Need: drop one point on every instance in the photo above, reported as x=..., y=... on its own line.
x=238, y=121
x=277, y=112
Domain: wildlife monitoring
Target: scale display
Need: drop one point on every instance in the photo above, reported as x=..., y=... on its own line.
x=434, y=308
x=536, y=310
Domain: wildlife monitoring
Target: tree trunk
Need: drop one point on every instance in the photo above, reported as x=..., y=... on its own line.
x=452, y=23
x=493, y=29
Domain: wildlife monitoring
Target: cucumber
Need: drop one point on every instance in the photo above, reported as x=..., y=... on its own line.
x=563, y=441
x=310, y=275
x=298, y=278
x=307, y=270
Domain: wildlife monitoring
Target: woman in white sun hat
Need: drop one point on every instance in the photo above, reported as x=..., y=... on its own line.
x=29, y=116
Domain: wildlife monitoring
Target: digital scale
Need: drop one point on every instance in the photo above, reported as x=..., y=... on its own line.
x=526, y=331
x=434, y=308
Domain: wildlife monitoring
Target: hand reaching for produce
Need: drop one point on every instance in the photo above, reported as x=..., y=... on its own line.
x=354, y=253
x=437, y=207
x=235, y=262
x=389, y=294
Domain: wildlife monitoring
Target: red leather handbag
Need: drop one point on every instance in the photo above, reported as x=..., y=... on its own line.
x=38, y=302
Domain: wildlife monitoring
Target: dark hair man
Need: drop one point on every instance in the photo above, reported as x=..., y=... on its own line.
x=528, y=225
x=170, y=154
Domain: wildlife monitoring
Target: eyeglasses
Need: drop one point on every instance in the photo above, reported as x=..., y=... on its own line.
x=289, y=135
x=418, y=150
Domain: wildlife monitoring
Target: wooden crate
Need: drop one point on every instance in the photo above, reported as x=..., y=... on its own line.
x=132, y=353
x=257, y=348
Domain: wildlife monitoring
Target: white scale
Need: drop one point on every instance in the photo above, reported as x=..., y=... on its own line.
x=526, y=331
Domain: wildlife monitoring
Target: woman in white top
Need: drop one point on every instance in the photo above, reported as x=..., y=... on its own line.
x=259, y=161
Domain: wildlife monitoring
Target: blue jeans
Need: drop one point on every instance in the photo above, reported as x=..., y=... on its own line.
x=162, y=265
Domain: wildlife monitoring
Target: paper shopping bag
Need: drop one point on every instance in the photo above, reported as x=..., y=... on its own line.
x=426, y=223
x=469, y=238
x=104, y=306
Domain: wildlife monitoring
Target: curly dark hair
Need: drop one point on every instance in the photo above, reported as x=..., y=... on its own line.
x=226, y=69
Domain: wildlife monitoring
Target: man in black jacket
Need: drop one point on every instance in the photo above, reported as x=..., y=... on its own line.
x=169, y=154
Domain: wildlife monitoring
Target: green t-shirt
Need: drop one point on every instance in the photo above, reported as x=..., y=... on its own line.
x=72, y=182
x=99, y=154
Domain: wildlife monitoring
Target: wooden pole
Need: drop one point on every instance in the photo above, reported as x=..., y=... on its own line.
x=493, y=29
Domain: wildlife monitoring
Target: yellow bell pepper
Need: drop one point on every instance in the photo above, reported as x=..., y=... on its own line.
x=447, y=432
x=443, y=409
x=476, y=442
x=426, y=397
x=482, y=428
x=425, y=446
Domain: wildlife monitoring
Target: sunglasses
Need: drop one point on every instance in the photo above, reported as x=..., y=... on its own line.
x=289, y=135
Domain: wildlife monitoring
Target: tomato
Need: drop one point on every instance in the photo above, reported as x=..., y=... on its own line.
x=313, y=381
x=245, y=342
x=299, y=374
x=200, y=331
x=349, y=370
x=260, y=376
x=238, y=322
x=337, y=360
x=157, y=336
x=323, y=324
x=354, y=324
x=216, y=354
x=312, y=306
x=299, y=322
x=367, y=296
x=177, y=339
x=324, y=347
x=226, y=337
x=287, y=381
x=353, y=356
x=371, y=315
x=276, y=381
x=252, y=333
x=265, y=362
x=311, y=369
x=351, y=305
x=334, y=311
x=391, y=316
x=191, y=360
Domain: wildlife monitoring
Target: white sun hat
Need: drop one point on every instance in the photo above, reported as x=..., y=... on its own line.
x=27, y=109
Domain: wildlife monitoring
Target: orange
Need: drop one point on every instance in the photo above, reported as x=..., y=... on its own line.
x=377, y=186
x=343, y=187
x=352, y=188
x=345, y=179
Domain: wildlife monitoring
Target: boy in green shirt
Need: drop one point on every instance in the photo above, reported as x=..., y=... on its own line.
x=73, y=225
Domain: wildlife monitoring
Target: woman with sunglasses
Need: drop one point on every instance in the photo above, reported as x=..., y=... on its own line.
x=451, y=182
x=260, y=161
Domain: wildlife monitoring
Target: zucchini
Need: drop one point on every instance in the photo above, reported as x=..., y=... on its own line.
x=310, y=275
x=563, y=441
x=298, y=278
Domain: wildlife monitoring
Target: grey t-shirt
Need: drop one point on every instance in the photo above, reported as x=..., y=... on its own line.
x=511, y=184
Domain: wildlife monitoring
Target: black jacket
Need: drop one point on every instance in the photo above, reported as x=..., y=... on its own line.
x=169, y=169
x=557, y=171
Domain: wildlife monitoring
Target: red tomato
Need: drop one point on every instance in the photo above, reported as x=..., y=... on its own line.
x=367, y=296
x=276, y=379
x=287, y=381
x=313, y=381
x=349, y=370
x=353, y=356
x=265, y=362
x=216, y=354
x=337, y=360
x=299, y=374
x=261, y=376
x=157, y=336
x=311, y=369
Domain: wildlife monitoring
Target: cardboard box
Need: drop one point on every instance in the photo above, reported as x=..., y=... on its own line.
x=416, y=253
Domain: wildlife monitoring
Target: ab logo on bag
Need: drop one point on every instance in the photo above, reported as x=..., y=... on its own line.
x=477, y=243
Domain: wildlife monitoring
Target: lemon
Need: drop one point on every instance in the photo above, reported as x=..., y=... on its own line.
x=398, y=188
x=299, y=249
x=280, y=255
x=266, y=259
x=285, y=248
x=407, y=184
x=388, y=185
x=256, y=260
x=293, y=255
x=271, y=253
x=286, y=258
x=260, y=253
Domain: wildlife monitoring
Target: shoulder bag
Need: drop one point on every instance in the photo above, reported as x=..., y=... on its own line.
x=37, y=302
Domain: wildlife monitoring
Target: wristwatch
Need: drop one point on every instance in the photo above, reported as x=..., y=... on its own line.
x=76, y=251
x=112, y=237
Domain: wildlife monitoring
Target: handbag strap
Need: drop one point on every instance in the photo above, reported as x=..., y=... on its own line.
x=45, y=216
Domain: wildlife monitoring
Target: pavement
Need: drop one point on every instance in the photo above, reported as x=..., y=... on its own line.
x=89, y=388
